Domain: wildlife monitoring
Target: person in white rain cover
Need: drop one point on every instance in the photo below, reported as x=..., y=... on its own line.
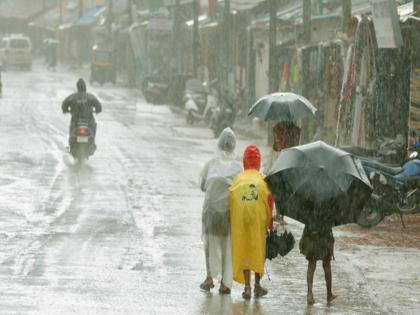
x=215, y=180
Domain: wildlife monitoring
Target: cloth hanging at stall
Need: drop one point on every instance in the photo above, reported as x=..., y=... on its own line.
x=332, y=81
x=414, y=118
x=347, y=91
x=357, y=107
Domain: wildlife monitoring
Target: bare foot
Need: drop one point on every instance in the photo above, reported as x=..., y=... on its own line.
x=247, y=292
x=331, y=297
x=207, y=284
x=310, y=299
x=259, y=291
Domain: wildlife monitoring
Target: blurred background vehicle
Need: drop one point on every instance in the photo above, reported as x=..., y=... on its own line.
x=16, y=51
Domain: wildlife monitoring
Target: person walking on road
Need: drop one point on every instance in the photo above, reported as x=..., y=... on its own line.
x=250, y=216
x=317, y=243
x=215, y=180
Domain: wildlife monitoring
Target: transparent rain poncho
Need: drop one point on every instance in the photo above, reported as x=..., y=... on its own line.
x=215, y=180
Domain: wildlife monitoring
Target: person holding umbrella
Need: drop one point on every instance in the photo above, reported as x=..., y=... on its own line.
x=282, y=110
x=285, y=135
x=250, y=216
x=215, y=179
x=324, y=187
x=317, y=243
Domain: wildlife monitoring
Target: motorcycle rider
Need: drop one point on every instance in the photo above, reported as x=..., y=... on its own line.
x=80, y=105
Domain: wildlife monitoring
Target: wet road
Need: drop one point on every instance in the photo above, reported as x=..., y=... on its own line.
x=121, y=234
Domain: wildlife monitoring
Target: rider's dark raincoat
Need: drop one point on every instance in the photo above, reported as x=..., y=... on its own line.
x=81, y=106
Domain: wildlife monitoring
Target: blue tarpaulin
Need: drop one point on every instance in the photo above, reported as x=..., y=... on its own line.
x=90, y=16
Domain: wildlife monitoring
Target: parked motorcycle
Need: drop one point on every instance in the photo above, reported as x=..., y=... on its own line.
x=396, y=189
x=223, y=115
x=155, y=91
x=82, y=142
x=390, y=151
x=200, y=101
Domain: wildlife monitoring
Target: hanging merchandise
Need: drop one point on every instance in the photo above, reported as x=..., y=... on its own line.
x=414, y=120
x=347, y=90
x=356, y=123
x=284, y=79
x=332, y=82
x=295, y=72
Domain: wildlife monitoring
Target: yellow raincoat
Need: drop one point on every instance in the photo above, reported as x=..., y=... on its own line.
x=249, y=217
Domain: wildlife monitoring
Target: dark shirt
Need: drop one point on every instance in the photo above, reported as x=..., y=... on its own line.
x=81, y=106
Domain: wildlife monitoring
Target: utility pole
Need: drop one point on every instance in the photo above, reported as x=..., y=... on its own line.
x=272, y=69
x=176, y=35
x=196, y=39
x=226, y=43
x=130, y=12
x=176, y=67
x=110, y=17
x=60, y=7
x=81, y=8
x=346, y=13
x=307, y=16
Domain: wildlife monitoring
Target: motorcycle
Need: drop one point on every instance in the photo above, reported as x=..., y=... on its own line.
x=199, y=101
x=155, y=91
x=395, y=189
x=82, y=141
x=223, y=115
x=390, y=151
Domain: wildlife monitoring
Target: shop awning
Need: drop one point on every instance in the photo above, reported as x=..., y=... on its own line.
x=91, y=16
x=244, y=4
x=292, y=11
x=51, y=19
x=23, y=9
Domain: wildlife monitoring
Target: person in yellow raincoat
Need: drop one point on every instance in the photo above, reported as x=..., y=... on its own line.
x=250, y=216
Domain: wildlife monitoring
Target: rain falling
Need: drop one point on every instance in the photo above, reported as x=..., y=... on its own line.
x=209, y=157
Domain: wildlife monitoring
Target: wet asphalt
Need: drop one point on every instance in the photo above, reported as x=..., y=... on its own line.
x=121, y=234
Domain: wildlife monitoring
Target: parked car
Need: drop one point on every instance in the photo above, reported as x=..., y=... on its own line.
x=16, y=50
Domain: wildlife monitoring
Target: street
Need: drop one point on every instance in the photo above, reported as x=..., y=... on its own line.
x=121, y=234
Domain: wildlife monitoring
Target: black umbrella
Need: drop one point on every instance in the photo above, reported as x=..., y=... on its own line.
x=319, y=183
x=282, y=107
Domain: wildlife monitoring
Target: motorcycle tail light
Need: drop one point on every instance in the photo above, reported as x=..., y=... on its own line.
x=83, y=131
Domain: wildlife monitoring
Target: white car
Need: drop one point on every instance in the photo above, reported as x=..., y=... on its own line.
x=16, y=50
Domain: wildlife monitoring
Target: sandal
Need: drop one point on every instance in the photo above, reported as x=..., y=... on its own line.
x=247, y=293
x=259, y=291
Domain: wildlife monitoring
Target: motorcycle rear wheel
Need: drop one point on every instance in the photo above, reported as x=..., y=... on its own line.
x=369, y=217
